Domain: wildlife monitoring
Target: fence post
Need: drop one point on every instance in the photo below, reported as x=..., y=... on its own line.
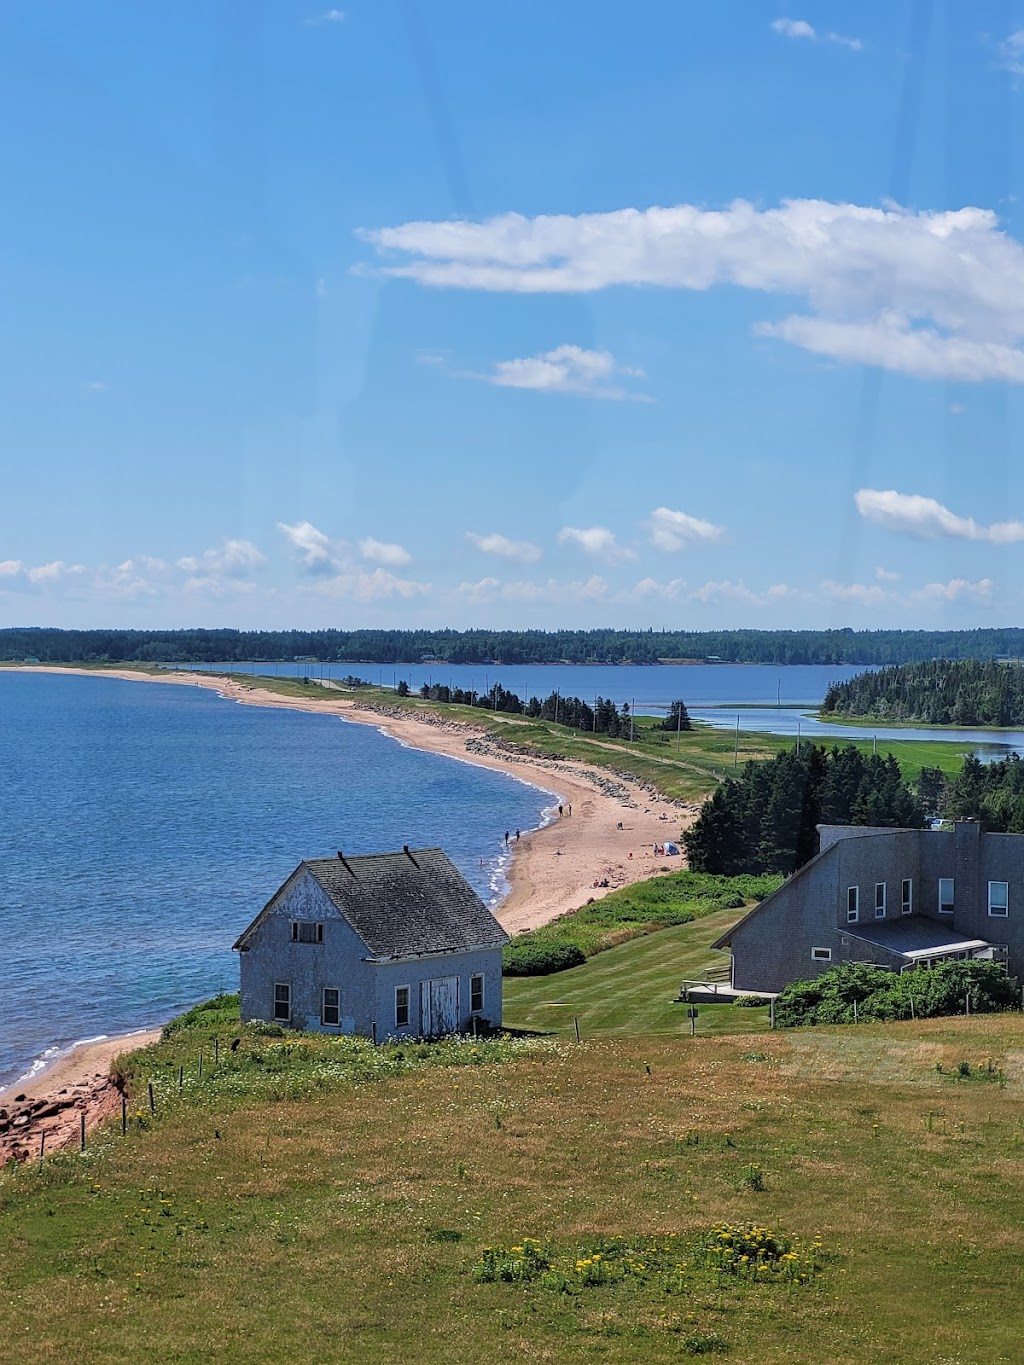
x=576, y=1026
x=42, y=1148
x=855, y=1011
x=771, y=1013
x=200, y=1065
x=181, y=1079
x=216, y=1051
x=124, y=1113
x=81, y=1130
x=152, y=1099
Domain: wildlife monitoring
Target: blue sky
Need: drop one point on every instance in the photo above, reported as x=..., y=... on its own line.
x=409, y=313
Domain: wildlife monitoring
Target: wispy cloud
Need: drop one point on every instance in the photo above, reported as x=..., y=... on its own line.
x=800, y=28
x=1010, y=53
x=230, y=557
x=378, y=586
x=595, y=540
x=930, y=294
x=567, y=369
x=673, y=530
x=328, y=16
x=494, y=544
x=956, y=590
x=381, y=552
x=926, y=519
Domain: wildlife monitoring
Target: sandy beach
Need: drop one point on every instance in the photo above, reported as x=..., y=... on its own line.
x=605, y=834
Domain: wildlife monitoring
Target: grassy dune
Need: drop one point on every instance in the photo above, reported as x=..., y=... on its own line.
x=309, y=1199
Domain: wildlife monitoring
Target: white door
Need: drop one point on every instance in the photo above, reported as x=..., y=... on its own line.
x=439, y=1005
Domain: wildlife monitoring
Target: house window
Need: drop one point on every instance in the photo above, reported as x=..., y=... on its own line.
x=852, y=905
x=998, y=899
x=945, y=895
x=821, y=954
x=476, y=993
x=907, y=896
x=282, y=1002
x=879, y=900
x=330, y=1009
x=401, y=1007
x=306, y=931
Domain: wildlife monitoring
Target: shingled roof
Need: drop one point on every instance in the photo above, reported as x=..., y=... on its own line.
x=402, y=904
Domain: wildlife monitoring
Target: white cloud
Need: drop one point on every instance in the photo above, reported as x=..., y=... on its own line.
x=926, y=519
x=652, y=588
x=49, y=573
x=380, y=552
x=863, y=594
x=494, y=544
x=671, y=530
x=956, y=590
x=890, y=342
x=595, y=540
x=931, y=294
x=315, y=549
x=593, y=589
x=95, y=386
x=567, y=369
x=887, y=575
x=725, y=590
x=10, y=567
x=483, y=590
x=378, y=586
x=800, y=28
x=232, y=558
x=329, y=16
x=1010, y=53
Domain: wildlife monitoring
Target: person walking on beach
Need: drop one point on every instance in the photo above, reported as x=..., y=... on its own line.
x=517, y=836
x=506, y=838
x=568, y=809
x=559, y=810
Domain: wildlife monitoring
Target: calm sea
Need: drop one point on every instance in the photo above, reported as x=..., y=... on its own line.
x=143, y=826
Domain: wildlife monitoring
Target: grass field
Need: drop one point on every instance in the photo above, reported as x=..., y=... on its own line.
x=289, y=1207
x=631, y=989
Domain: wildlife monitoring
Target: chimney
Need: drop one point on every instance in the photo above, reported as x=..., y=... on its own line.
x=966, y=872
x=341, y=859
x=405, y=850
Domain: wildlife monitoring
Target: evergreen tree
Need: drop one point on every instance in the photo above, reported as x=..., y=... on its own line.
x=678, y=717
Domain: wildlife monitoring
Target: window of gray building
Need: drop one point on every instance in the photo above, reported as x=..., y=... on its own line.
x=907, y=896
x=852, y=904
x=476, y=993
x=821, y=954
x=879, y=900
x=330, y=1009
x=945, y=895
x=307, y=931
x=999, y=899
x=401, y=1006
x=282, y=1002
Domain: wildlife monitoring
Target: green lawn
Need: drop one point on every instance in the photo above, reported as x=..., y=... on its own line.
x=631, y=989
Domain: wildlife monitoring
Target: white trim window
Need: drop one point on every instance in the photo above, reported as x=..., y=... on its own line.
x=907, y=896
x=402, y=996
x=999, y=899
x=330, y=1007
x=879, y=900
x=282, y=1002
x=307, y=931
x=852, y=904
x=946, y=892
x=821, y=954
x=476, y=993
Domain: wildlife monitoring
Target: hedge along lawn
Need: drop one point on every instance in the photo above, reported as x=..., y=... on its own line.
x=635, y=910
x=631, y=989
x=348, y=1223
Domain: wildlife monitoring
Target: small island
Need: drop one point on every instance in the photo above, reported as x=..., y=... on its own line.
x=974, y=692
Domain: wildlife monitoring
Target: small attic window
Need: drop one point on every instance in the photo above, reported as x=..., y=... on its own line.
x=307, y=931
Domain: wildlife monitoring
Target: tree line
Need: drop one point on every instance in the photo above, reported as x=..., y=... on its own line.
x=765, y=819
x=936, y=692
x=508, y=647
x=603, y=718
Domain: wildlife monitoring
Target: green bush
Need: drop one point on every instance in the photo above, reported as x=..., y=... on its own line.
x=880, y=994
x=539, y=959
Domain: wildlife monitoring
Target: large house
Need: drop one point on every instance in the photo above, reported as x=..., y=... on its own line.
x=899, y=898
x=387, y=945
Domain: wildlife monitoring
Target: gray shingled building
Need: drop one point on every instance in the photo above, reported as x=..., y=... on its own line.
x=387, y=945
x=898, y=898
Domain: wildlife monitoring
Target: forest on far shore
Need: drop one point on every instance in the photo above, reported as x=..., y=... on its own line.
x=647, y=646
x=939, y=692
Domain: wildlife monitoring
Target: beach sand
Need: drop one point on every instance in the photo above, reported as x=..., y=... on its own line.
x=608, y=836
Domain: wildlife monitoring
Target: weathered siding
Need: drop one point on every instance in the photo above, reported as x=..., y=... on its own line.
x=367, y=988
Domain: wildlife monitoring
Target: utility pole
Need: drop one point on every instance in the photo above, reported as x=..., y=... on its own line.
x=679, y=725
x=631, y=710
x=736, y=748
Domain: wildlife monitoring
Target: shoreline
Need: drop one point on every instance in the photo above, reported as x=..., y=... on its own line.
x=606, y=833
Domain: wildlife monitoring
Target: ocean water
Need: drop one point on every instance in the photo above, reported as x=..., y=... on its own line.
x=142, y=827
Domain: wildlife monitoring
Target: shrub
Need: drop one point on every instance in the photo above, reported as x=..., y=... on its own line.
x=880, y=994
x=539, y=959
x=751, y=1001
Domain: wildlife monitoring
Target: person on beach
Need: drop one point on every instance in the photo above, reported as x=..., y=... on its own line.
x=568, y=809
x=517, y=836
x=506, y=838
x=559, y=810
